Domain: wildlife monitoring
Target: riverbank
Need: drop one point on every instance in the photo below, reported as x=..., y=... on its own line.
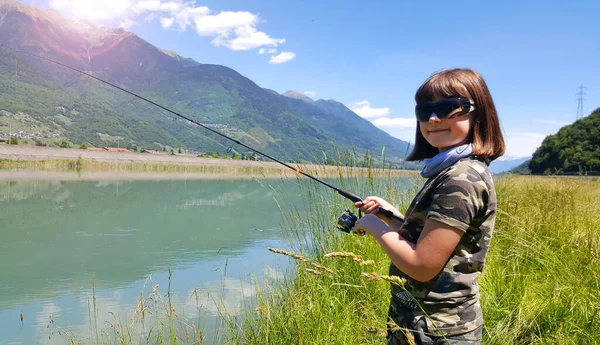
x=21, y=162
x=38, y=153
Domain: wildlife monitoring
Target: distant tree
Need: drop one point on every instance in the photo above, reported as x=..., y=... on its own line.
x=83, y=146
x=13, y=141
x=574, y=149
x=64, y=144
x=180, y=150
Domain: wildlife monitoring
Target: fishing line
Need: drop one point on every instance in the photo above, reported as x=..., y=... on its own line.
x=351, y=196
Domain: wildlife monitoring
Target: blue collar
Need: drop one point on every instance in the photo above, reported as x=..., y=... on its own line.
x=445, y=159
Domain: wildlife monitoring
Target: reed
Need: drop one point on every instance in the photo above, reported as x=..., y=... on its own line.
x=227, y=167
x=541, y=284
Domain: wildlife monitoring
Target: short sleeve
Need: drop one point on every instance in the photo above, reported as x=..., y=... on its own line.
x=461, y=195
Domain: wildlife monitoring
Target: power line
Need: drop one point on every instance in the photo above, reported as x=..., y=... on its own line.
x=580, y=93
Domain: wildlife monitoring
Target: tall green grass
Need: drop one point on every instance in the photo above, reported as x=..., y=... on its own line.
x=154, y=320
x=337, y=293
x=541, y=283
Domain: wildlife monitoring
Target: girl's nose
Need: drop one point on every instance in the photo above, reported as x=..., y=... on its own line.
x=433, y=118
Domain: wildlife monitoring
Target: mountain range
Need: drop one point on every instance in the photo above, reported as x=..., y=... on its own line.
x=50, y=103
x=506, y=163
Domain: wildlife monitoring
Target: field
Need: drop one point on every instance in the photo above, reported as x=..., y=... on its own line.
x=541, y=283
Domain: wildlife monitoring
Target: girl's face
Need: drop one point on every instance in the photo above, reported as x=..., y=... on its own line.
x=447, y=133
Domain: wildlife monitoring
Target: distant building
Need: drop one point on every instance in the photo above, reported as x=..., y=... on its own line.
x=109, y=149
x=2, y=140
x=153, y=152
x=116, y=149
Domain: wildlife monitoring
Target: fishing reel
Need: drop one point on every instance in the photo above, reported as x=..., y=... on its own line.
x=347, y=221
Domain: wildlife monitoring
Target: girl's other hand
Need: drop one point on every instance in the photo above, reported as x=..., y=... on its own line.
x=372, y=204
x=371, y=224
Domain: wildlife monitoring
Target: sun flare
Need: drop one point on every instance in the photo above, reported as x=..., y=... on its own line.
x=93, y=11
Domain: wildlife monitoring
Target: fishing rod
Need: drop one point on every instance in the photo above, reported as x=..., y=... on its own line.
x=346, y=220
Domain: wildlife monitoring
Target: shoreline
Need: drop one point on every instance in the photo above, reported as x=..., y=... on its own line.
x=42, y=175
x=29, y=163
x=37, y=153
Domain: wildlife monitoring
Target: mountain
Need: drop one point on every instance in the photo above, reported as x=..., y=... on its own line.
x=521, y=169
x=297, y=95
x=50, y=103
x=506, y=163
x=574, y=149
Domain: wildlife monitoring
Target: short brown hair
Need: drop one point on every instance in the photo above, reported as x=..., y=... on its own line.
x=486, y=135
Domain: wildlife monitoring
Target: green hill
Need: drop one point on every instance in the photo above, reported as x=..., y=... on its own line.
x=49, y=103
x=521, y=169
x=574, y=149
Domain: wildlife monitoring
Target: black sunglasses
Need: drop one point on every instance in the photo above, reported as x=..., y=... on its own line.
x=443, y=108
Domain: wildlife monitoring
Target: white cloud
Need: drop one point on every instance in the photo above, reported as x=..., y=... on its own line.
x=233, y=30
x=363, y=108
x=281, y=58
x=246, y=38
x=311, y=94
x=150, y=17
x=166, y=22
x=395, y=122
x=262, y=51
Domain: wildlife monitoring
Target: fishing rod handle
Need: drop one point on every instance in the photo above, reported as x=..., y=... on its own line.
x=355, y=198
x=390, y=214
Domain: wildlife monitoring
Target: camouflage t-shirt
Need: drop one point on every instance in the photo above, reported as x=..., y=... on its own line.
x=463, y=197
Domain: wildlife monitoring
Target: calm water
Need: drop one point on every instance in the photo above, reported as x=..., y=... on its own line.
x=59, y=239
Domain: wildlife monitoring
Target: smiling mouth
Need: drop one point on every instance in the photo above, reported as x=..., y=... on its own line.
x=437, y=130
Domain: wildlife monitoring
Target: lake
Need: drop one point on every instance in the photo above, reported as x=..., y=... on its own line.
x=75, y=254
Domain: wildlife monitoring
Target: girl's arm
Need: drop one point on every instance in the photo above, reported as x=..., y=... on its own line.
x=422, y=261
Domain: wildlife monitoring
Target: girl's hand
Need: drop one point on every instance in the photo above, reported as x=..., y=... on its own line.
x=371, y=224
x=372, y=204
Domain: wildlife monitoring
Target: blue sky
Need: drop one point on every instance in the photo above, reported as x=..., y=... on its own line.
x=372, y=56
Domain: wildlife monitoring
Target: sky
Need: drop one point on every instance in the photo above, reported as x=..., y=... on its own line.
x=373, y=55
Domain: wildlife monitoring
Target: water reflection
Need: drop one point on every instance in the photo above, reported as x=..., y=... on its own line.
x=61, y=238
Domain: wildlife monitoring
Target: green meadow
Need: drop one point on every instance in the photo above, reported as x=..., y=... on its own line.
x=541, y=283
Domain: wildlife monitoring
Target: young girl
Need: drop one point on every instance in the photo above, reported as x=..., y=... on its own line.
x=441, y=246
